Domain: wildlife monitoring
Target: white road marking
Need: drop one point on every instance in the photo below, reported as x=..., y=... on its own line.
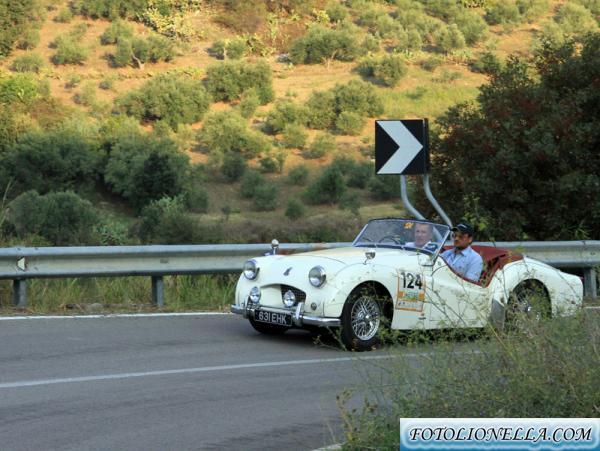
x=205, y=369
x=112, y=315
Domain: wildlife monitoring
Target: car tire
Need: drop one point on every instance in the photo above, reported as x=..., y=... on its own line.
x=529, y=301
x=362, y=320
x=267, y=329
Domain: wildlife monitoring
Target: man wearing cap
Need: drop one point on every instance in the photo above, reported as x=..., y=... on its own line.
x=463, y=259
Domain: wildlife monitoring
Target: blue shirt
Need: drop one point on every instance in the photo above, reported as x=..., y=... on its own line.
x=466, y=262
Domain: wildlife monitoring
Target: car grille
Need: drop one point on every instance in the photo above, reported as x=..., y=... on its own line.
x=300, y=295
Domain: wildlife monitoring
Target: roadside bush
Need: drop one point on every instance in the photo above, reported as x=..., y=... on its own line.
x=321, y=110
x=265, y=197
x=384, y=187
x=62, y=218
x=176, y=99
x=349, y=123
x=268, y=164
x=321, y=44
x=294, y=136
x=295, y=209
x=472, y=26
x=351, y=201
x=141, y=169
x=487, y=63
x=328, y=188
x=230, y=48
x=248, y=103
x=298, y=175
x=321, y=145
x=195, y=199
x=504, y=13
x=575, y=19
x=69, y=51
x=165, y=221
x=234, y=166
x=115, y=32
x=225, y=131
x=389, y=69
x=357, y=97
x=29, y=40
x=29, y=62
x=360, y=174
x=449, y=38
x=64, y=16
x=285, y=113
x=432, y=63
x=229, y=80
x=251, y=180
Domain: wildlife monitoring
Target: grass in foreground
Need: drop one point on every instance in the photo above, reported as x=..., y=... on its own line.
x=550, y=370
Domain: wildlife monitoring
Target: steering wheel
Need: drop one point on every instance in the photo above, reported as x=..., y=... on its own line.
x=395, y=238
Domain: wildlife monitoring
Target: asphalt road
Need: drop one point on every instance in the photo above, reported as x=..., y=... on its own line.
x=168, y=383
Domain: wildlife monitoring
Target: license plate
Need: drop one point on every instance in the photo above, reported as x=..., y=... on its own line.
x=281, y=319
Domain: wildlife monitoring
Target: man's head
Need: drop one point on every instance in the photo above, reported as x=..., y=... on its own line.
x=463, y=235
x=423, y=234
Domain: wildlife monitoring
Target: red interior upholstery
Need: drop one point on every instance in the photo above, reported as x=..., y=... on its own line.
x=494, y=258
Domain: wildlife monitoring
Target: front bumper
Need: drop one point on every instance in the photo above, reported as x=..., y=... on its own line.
x=298, y=318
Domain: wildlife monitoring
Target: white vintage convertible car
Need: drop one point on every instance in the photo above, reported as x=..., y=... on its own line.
x=384, y=279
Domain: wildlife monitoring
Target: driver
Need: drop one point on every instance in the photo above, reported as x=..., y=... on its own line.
x=423, y=236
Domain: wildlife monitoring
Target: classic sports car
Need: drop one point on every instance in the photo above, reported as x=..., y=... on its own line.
x=386, y=278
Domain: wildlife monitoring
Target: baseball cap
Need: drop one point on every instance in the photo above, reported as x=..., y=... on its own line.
x=464, y=227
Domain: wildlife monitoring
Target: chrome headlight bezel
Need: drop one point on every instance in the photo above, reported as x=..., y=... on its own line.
x=317, y=276
x=250, y=270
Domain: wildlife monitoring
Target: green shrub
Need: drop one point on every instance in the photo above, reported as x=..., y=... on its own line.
x=343, y=163
x=107, y=82
x=73, y=80
x=295, y=209
x=195, y=199
x=378, y=23
x=320, y=108
x=64, y=16
x=87, y=95
x=16, y=17
x=447, y=76
x=110, y=9
x=408, y=40
x=54, y=160
x=141, y=169
x=69, y=51
x=321, y=145
x=294, y=136
x=349, y=123
x=234, y=166
x=29, y=62
x=285, y=113
x=268, y=164
x=123, y=55
x=357, y=97
x=152, y=49
x=176, y=99
x=449, y=38
x=472, y=26
x=575, y=19
x=265, y=197
x=487, y=63
x=228, y=80
x=230, y=48
x=62, y=218
x=351, y=201
x=389, y=69
x=336, y=11
x=29, y=40
x=21, y=89
x=360, y=174
x=321, y=44
x=165, y=221
x=225, y=131
x=432, y=63
x=592, y=5
x=250, y=182
x=248, y=103
x=329, y=187
x=532, y=9
x=298, y=175
x=505, y=13
x=384, y=187
x=115, y=32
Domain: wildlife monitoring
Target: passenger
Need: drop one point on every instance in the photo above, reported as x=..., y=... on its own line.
x=462, y=258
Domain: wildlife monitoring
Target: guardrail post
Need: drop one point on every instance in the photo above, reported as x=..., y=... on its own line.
x=158, y=291
x=20, y=293
x=589, y=283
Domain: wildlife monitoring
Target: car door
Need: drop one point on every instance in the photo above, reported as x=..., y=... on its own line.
x=452, y=301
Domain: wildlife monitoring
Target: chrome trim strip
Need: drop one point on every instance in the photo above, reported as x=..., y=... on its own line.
x=298, y=318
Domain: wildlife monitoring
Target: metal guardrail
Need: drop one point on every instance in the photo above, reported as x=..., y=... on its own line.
x=22, y=263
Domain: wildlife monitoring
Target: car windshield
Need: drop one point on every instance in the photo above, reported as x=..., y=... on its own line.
x=408, y=234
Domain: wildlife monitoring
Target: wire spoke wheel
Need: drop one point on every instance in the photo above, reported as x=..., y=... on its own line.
x=365, y=317
x=528, y=302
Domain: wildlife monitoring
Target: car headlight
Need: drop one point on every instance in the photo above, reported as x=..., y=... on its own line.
x=250, y=270
x=317, y=276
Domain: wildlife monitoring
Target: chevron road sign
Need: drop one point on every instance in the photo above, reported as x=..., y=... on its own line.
x=401, y=146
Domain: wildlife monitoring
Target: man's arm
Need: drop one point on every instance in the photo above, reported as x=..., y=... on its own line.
x=474, y=267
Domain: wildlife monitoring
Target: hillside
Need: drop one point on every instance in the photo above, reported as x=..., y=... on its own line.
x=457, y=46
